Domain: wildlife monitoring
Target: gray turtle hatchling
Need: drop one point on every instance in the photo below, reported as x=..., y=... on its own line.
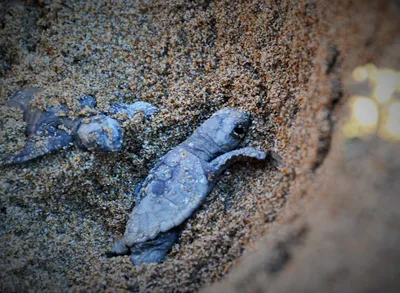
x=51, y=130
x=180, y=181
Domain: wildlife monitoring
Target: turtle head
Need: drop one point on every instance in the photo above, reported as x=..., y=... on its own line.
x=226, y=128
x=100, y=133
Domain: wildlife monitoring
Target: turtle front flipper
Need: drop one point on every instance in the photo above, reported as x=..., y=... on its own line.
x=38, y=146
x=219, y=164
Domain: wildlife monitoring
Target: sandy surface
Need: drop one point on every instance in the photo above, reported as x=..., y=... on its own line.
x=281, y=61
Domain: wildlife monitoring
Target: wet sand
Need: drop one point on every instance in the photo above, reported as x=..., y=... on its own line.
x=282, y=62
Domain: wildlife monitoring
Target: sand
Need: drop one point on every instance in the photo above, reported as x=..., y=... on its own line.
x=281, y=61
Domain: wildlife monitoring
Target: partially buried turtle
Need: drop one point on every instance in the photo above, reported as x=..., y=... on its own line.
x=51, y=130
x=180, y=181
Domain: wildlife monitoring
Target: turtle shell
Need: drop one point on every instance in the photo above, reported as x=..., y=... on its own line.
x=174, y=189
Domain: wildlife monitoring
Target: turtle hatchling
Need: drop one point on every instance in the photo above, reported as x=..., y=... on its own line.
x=51, y=130
x=180, y=181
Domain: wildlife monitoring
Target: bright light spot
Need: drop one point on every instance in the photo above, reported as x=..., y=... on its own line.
x=372, y=72
x=385, y=82
x=380, y=111
x=364, y=117
x=351, y=130
x=394, y=109
x=398, y=82
x=365, y=111
x=360, y=74
x=391, y=126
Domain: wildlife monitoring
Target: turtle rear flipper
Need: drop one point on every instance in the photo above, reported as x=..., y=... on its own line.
x=154, y=251
x=119, y=248
x=38, y=146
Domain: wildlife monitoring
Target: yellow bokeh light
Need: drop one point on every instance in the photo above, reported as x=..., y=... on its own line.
x=360, y=74
x=365, y=111
x=364, y=117
x=394, y=109
x=385, y=85
x=351, y=130
x=398, y=82
x=379, y=109
x=390, y=128
x=372, y=71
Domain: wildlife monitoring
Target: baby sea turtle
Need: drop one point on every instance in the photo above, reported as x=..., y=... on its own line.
x=180, y=181
x=51, y=130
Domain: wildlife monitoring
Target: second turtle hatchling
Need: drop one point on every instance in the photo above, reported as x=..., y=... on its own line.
x=51, y=130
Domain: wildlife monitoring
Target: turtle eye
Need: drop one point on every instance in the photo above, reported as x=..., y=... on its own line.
x=239, y=130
